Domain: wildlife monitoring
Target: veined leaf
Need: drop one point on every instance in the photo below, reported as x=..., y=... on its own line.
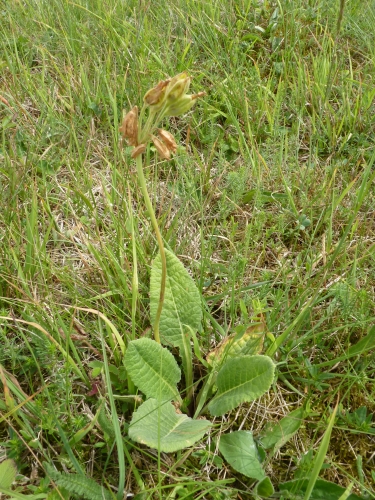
x=240, y=451
x=181, y=313
x=241, y=379
x=157, y=425
x=153, y=369
x=245, y=341
x=78, y=485
x=182, y=304
x=8, y=473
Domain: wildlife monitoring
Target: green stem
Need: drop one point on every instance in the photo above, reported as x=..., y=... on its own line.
x=142, y=183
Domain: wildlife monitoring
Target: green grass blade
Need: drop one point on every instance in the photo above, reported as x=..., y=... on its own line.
x=319, y=459
x=115, y=422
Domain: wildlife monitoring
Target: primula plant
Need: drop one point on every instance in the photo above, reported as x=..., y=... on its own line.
x=236, y=371
x=168, y=98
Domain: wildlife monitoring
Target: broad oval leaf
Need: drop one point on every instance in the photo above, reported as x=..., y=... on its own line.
x=157, y=425
x=182, y=304
x=8, y=473
x=240, y=451
x=153, y=369
x=241, y=380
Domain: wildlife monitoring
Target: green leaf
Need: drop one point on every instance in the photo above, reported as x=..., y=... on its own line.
x=247, y=340
x=153, y=369
x=78, y=485
x=365, y=344
x=277, y=434
x=15, y=495
x=8, y=473
x=347, y=492
x=264, y=196
x=157, y=425
x=320, y=456
x=241, y=379
x=240, y=451
x=58, y=494
x=106, y=424
x=182, y=310
x=81, y=433
x=182, y=304
x=323, y=490
x=264, y=488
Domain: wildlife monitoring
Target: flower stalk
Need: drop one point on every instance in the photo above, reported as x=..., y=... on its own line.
x=155, y=225
x=168, y=98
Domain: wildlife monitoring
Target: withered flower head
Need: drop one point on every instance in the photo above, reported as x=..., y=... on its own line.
x=177, y=87
x=161, y=148
x=138, y=150
x=155, y=95
x=129, y=127
x=168, y=140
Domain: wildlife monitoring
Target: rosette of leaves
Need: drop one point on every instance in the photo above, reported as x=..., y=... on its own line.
x=241, y=374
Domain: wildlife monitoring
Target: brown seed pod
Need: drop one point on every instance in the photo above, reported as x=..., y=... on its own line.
x=161, y=148
x=154, y=95
x=138, y=150
x=129, y=127
x=168, y=139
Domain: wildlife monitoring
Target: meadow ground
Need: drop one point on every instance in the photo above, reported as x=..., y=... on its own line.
x=269, y=203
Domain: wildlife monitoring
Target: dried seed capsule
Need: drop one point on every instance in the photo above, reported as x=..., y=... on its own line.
x=155, y=96
x=138, y=150
x=161, y=148
x=168, y=140
x=129, y=127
